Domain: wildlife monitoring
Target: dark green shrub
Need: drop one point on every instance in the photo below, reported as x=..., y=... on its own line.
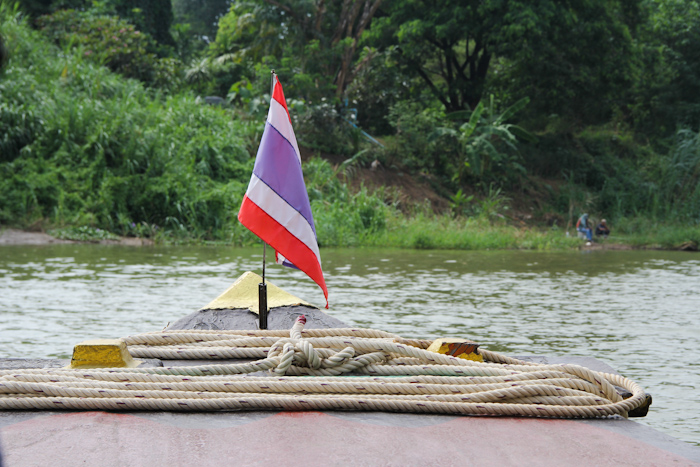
x=416, y=146
x=110, y=41
x=323, y=127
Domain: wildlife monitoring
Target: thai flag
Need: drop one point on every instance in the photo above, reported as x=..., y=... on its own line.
x=276, y=205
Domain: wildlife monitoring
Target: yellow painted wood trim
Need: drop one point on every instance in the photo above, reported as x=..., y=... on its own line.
x=456, y=348
x=244, y=294
x=102, y=353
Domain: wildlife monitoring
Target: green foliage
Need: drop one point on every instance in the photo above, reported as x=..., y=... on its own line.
x=613, y=87
x=577, y=60
x=491, y=207
x=203, y=16
x=491, y=144
x=208, y=77
x=3, y=54
x=416, y=147
x=610, y=172
x=427, y=231
x=246, y=32
x=322, y=127
x=83, y=234
x=459, y=203
x=643, y=232
x=448, y=48
x=89, y=149
x=666, y=97
x=573, y=58
x=494, y=204
x=311, y=44
x=379, y=85
x=35, y=8
x=112, y=42
x=153, y=17
x=342, y=218
x=20, y=127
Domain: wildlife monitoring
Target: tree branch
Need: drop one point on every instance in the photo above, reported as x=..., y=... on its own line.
x=287, y=9
x=370, y=7
x=342, y=21
x=320, y=11
x=426, y=78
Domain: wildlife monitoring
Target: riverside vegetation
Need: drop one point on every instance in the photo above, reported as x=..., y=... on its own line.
x=105, y=130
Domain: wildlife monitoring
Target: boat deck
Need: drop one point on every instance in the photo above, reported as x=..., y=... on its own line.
x=329, y=438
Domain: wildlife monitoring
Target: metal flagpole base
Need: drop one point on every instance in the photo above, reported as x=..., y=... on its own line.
x=262, y=305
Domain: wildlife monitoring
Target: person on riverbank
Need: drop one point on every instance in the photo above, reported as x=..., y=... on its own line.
x=602, y=230
x=584, y=227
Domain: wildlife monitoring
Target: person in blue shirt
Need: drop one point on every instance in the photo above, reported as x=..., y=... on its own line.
x=583, y=227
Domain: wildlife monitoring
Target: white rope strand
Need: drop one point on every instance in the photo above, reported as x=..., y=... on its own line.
x=389, y=373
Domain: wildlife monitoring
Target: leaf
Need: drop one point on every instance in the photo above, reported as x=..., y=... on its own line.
x=468, y=128
x=441, y=131
x=513, y=109
x=523, y=134
x=459, y=115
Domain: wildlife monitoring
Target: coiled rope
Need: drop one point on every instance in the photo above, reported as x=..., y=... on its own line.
x=395, y=375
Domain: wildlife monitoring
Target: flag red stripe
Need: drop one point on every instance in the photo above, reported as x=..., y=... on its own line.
x=278, y=95
x=274, y=234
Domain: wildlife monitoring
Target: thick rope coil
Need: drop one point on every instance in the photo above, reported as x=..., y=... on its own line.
x=419, y=381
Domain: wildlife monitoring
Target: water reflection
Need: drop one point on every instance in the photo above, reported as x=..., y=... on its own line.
x=638, y=311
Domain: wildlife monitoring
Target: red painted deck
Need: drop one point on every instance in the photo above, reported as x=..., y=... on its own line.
x=314, y=438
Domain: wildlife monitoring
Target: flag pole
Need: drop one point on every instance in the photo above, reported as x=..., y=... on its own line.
x=262, y=295
x=262, y=287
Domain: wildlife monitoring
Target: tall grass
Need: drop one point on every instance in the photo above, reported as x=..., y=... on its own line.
x=428, y=231
x=644, y=232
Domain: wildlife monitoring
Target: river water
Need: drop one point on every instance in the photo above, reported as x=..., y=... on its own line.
x=638, y=311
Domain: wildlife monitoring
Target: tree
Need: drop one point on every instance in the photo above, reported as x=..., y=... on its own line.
x=671, y=86
x=36, y=8
x=448, y=45
x=580, y=63
x=4, y=56
x=110, y=41
x=203, y=16
x=452, y=46
x=313, y=39
x=153, y=17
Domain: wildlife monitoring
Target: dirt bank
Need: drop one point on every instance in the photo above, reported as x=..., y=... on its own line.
x=20, y=237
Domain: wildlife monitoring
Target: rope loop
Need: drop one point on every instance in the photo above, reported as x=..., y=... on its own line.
x=286, y=359
x=389, y=374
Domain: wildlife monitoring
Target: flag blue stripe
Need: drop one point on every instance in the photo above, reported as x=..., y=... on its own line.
x=278, y=167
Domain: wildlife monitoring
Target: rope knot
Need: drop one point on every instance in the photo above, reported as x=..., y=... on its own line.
x=300, y=352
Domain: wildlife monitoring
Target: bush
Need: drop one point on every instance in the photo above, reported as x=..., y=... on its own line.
x=110, y=41
x=416, y=146
x=89, y=148
x=342, y=218
x=322, y=127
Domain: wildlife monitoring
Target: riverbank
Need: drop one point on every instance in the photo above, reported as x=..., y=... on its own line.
x=526, y=239
x=23, y=237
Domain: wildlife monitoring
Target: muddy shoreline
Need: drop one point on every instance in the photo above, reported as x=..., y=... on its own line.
x=21, y=237
x=9, y=236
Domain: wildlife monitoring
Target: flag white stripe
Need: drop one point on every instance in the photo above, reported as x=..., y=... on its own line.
x=277, y=208
x=278, y=118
